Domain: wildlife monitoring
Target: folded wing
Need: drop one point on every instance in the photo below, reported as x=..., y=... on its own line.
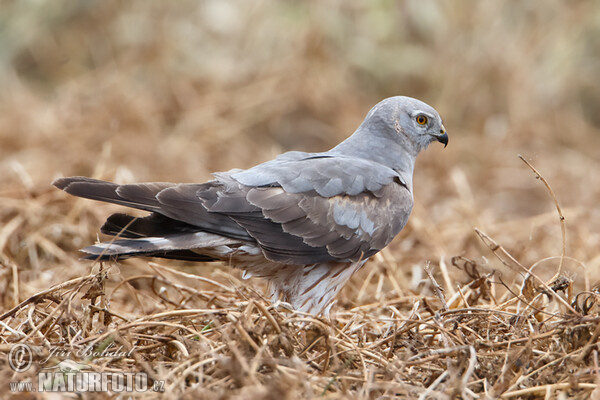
x=299, y=209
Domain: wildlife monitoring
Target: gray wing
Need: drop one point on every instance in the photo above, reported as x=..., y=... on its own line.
x=303, y=208
x=341, y=227
x=300, y=208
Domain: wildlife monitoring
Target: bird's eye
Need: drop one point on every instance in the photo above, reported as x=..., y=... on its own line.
x=421, y=119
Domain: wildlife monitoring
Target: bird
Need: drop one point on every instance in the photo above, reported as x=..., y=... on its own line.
x=305, y=222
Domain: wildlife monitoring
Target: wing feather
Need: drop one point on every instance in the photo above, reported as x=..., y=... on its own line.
x=348, y=227
x=300, y=209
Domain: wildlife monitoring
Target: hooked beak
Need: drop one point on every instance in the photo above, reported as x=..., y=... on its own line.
x=443, y=136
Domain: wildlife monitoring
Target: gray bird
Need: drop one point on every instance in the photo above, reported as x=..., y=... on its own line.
x=304, y=221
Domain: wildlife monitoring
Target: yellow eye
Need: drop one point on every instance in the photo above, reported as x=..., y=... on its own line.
x=421, y=120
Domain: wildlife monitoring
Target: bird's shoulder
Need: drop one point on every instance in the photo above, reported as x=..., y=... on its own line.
x=325, y=173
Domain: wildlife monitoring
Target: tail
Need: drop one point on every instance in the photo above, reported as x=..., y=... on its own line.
x=189, y=247
x=156, y=235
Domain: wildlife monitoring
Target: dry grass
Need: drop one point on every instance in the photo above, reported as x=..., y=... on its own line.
x=486, y=293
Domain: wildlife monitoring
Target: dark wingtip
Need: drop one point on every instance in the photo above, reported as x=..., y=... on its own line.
x=75, y=184
x=62, y=183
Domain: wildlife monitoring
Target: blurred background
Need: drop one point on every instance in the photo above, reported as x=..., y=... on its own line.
x=172, y=91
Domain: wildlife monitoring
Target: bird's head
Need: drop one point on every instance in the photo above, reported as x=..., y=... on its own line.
x=414, y=122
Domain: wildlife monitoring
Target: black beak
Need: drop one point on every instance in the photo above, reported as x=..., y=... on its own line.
x=443, y=139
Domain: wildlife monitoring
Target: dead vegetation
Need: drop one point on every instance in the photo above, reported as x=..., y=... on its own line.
x=490, y=292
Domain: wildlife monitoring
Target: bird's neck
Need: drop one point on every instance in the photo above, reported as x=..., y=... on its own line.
x=398, y=155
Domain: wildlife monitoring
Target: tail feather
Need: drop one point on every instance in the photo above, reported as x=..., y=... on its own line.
x=180, y=246
x=184, y=255
x=154, y=225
